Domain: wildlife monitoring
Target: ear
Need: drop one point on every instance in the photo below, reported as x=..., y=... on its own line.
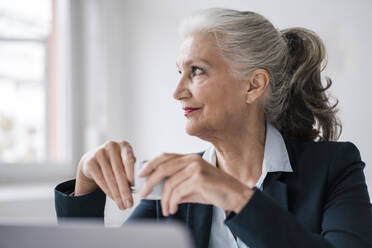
x=257, y=84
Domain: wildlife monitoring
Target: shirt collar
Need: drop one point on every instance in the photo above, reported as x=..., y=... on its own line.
x=275, y=155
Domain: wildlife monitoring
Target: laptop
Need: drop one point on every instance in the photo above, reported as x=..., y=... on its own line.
x=83, y=233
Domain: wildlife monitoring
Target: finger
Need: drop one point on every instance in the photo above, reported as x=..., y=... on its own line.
x=169, y=185
x=154, y=163
x=182, y=190
x=165, y=169
x=128, y=160
x=109, y=177
x=96, y=173
x=121, y=177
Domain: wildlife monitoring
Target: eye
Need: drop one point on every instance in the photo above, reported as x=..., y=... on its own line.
x=196, y=71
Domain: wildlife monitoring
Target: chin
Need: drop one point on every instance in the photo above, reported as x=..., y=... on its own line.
x=192, y=129
x=198, y=130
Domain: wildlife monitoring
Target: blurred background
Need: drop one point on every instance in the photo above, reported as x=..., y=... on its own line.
x=75, y=73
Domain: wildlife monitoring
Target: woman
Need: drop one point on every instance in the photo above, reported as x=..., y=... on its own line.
x=272, y=176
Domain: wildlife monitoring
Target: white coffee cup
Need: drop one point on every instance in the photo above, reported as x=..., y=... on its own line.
x=157, y=190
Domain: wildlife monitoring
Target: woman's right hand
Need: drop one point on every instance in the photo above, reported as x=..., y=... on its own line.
x=110, y=167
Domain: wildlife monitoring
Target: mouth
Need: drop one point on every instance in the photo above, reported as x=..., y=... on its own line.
x=189, y=110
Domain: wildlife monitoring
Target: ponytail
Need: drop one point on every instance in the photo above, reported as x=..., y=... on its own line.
x=308, y=113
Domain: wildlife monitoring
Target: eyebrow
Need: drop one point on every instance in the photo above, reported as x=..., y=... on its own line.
x=193, y=60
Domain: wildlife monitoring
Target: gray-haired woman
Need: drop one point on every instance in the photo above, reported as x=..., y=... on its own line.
x=273, y=175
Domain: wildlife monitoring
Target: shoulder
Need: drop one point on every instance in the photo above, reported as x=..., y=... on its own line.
x=325, y=149
x=328, y=156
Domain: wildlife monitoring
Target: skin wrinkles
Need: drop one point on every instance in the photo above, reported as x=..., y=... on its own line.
x=226, y=120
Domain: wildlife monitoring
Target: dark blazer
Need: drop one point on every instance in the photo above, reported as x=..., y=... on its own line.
x=324, y=202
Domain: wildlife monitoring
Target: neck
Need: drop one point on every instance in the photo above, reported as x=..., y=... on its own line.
x=240, y=154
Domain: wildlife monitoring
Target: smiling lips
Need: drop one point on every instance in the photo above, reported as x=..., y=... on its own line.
x=189, y=110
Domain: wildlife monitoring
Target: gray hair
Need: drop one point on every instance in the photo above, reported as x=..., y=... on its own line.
x=296, y=102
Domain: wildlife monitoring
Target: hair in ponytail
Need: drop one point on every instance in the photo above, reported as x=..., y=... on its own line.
x=308, y=112
x=297, y=103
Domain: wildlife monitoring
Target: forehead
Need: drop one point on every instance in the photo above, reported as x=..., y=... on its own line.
x=198, y=47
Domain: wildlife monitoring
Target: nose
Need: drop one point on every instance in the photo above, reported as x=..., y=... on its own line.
x=181, y=91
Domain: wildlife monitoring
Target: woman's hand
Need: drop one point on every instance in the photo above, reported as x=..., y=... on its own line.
x=109, y=167
x=192, y=179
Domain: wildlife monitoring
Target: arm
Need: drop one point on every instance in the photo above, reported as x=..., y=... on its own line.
x=347, y=216
x=93, y=204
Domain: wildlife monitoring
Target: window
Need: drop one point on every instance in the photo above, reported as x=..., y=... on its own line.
x=33, y=111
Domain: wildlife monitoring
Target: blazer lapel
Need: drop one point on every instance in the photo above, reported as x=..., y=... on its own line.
x=276, y=189
x=199, y=221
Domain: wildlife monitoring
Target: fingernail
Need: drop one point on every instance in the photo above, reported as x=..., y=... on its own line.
x=166, y=210
x=121, y=205
x=128, y=203
x=140, y=174
x=142, y=194
x=173, y=210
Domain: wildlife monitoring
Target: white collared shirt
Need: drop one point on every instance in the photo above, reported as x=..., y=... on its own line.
x=275, y=159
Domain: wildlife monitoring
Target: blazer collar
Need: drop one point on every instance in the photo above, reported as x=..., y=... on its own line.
x=276, y=189
x=199, y=216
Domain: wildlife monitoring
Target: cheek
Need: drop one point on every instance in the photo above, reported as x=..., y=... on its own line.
x=221, y=98
x=218, y=109
x=209, y=93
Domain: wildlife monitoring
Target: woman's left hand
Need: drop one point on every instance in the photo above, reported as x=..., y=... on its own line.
x=192, y=179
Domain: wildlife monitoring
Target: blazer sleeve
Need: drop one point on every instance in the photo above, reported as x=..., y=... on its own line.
x=88, y=205
x=92, y=205
x=347, y=214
